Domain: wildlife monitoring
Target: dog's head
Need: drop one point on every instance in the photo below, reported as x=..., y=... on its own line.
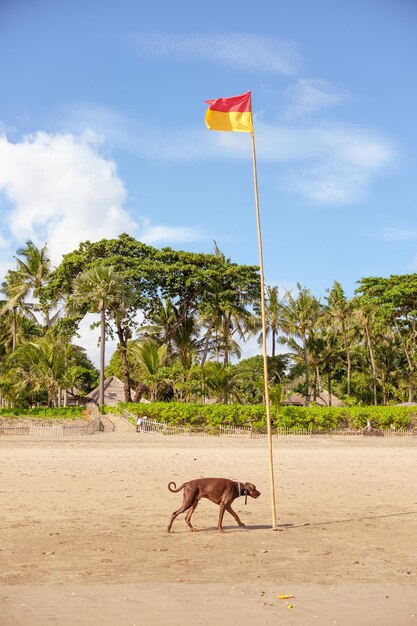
x=252, y=490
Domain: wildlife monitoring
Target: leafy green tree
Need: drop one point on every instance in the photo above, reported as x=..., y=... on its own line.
x=250, y=376
x=394, y=299
x=89, y=375
x=202, y=285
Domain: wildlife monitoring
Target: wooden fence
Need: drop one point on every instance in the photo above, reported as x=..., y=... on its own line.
x=162, y=428
x=372, y=432
x=10, y=431
x=56, y=431
x=103, y=423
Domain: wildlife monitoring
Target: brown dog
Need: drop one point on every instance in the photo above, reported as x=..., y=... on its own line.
x=221, y=491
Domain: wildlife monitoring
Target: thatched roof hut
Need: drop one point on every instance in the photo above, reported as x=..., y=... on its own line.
x=322, y=399
x=113, y=392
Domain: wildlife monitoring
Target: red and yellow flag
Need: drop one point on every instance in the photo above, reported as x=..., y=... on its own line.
x=230, y=114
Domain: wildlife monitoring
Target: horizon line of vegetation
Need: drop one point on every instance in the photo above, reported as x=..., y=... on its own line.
x=180, y=317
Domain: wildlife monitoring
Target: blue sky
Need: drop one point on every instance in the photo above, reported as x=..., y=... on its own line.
x=102, y=131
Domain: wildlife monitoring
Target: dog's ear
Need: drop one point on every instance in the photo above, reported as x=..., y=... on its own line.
x=250, y=486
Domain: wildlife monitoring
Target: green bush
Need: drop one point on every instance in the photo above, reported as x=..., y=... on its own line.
x=71, y=412
x=316, y=418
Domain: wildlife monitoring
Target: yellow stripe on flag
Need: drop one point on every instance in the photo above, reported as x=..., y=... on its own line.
x=232, y=120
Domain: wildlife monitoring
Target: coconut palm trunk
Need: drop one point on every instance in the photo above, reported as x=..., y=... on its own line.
x=329, y=384
x=349, y=363
x=407, y=356
x=14, y=328
x=372, y=359
x=102, y=354
x=307, y=372
x=207, y=340
x=125, y=364
x=226, y=339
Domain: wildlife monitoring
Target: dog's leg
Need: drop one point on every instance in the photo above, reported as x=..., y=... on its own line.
x=188, y=501
x=175, y=514
x=221, y=513
x=235, y=515
x=188, y=517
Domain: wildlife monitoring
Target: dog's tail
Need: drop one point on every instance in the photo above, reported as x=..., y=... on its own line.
x=175, y=490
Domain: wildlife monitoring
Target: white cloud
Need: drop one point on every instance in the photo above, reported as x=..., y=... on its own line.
x=3, y=242
x=310, y=95
x=242, y=51
x=394, y=234
x=63, y=191
x=151, y=234
x=327, y=164
x=323, y=163
x=141, y=139
x=329, y=183
x=6, y=255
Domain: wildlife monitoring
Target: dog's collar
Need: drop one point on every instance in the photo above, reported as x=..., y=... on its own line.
x=242, y=493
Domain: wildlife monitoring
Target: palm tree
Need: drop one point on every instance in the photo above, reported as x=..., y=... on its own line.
x=161, y=323
x=228, y=318
x=272, y=315
x=150, y=358
x=389, y=362
x=332, y=348
x=221, y=380
x=15, y=330
x=31, y=275
x=226, y=312
x=34, y=267
x=341, y=309
x=175, y=327
x=366, y=319
x=299, y=315
x=185, y=339
x=41, y=364
x=15, y=289
x=120, y=311
x=99, y=289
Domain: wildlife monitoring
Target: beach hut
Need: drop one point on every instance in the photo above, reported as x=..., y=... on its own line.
x=113, y=392
x=323, y=398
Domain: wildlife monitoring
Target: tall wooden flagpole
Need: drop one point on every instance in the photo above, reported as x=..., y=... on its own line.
x=265, y=358
x=235, y=114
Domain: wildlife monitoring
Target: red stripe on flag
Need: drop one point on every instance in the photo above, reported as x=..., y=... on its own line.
x=238, y=104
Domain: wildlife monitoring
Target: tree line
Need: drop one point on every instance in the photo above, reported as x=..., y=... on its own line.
x=180, y=319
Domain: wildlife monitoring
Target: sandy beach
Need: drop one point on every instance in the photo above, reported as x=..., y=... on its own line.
x=83, y=532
